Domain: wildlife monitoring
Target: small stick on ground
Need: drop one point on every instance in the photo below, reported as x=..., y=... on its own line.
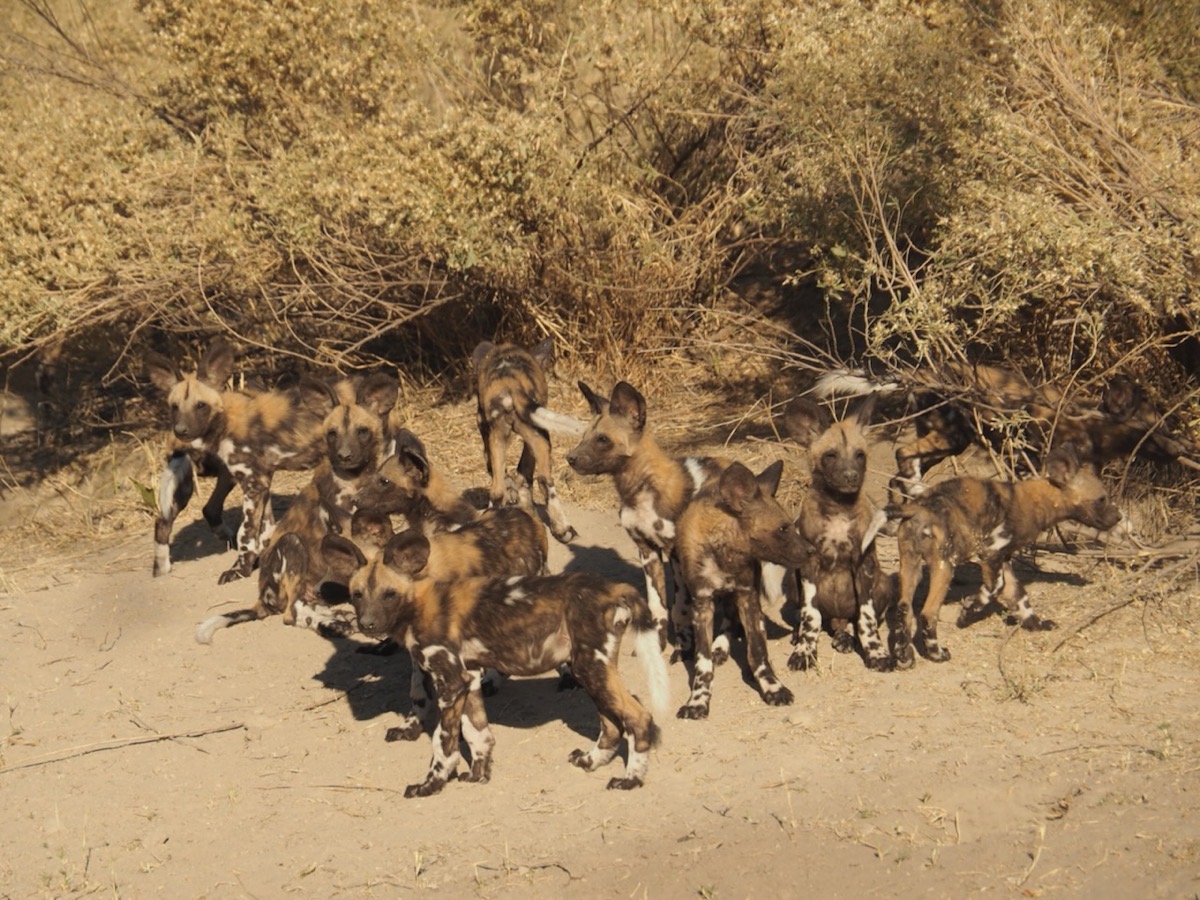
x=117, y=744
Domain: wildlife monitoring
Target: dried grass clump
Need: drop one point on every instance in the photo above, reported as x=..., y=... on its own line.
x=1012, y=183
x=349, y=184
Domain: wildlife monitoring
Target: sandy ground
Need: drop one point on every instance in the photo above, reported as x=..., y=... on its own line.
x=135, y=762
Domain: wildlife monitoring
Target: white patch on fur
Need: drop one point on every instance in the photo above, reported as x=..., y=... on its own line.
x=838, y=529
x=635, y=767
x=1000, y=538
x=695, y=468
x=657, y=608
x=605, y=653
x=712, y=575
x=206, y=629
x=877, y=521
x=549, y=420
x=704, y=665
x=642, y=518
x=720, y=644
x=472, y=649
x=655, y=669
x=850, y=383
x=162, y=559
x=772, y=579
x=177, y=472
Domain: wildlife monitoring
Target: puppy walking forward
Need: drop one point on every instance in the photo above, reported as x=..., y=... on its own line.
x=292, y=566
x=252, y=435
x=653, y=489
x=726, y=534
x=519, y=625
x=511, y=390
x=841, y=580
x=989, y=521
x=463, y=543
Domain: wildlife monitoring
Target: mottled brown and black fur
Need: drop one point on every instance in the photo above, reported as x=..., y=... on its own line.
x=972, y=518
x=292, y=567
x=841, y=580
x=251, y=434
x=175, y=489
x=988, y=400
x=511, y=390
x=464, y=542
x=653, y=489
x=522, y=626
x=408, y=485
x=729, y=530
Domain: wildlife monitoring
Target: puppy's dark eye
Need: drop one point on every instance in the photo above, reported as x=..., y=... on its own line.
x=390, y=596
x=860, y=454
x=363, y=431
x=785, y=528
x=356, y=596
x=331, y=434
x=384, y=482
x=201, y=406
x=829, y=456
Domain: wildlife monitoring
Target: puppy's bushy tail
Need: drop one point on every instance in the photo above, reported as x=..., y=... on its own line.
x=206, y=629
x=851, y=383
x=549, y=420
x=649, y=654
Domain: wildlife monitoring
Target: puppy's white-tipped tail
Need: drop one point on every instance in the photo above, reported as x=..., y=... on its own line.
x=206, y=629
x=655, y=667
x=851, y=383
x=549, y=420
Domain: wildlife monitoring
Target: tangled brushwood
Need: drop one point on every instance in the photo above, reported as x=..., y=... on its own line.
x=1008, y=182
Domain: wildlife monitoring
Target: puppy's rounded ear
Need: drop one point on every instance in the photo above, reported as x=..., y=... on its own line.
x=407, y=552
x=479, y=354
x=216, y=365
x=543, y=355
x=413, y=458
x=317, y=395
x=737, y=487
x=805, y=420
x=627, y=402
x=598, y=404
x=768, y=479
x=378, y=393
x=1062, y=464
x=163, y=373
x=342, y=556
x=865, y=410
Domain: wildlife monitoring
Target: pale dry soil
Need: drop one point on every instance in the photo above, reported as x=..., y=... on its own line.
x=135, y=762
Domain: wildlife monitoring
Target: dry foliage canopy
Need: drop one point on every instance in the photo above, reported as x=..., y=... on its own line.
x=344, y=183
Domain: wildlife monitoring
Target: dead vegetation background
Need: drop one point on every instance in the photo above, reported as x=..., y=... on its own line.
x=748, y=188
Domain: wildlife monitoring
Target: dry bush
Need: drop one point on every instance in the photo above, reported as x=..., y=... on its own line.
x=344, y=185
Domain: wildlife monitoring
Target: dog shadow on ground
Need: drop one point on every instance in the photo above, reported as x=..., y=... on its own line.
x=378, y=685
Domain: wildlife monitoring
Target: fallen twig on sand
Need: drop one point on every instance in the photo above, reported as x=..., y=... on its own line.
x=116, y=744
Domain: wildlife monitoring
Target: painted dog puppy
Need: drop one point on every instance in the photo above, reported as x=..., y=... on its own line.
x=253, y=435
x=175, y=489
x=971, y=518
x=407, y=484
x=292, y=567
x=520, y=625
x=654, y=489
x=464, y=543
x=511, y=390
x=725, y=534
x=841, y=580
x=980, y=404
